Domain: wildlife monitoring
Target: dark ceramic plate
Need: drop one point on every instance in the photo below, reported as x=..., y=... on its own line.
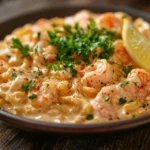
x=33, y=125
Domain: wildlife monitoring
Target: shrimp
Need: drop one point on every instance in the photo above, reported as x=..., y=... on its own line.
x=110, y=21
x=46, y=94
x=44, y=54
x=97, y=74
x=50, y=53
x=106, y=104
x=83, y=18
x=83, y=15
x=139, y=86
x=41, y=25
x=17, y=83
x=61, y=75
x=48, y=90
x=38, y=60
x=121, y=53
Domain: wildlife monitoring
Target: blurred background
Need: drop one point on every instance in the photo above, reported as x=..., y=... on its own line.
x=12, y=7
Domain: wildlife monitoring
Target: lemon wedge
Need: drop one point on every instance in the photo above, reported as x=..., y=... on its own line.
x=137, y=45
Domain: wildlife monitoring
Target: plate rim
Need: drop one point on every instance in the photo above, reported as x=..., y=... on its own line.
x=44, y=126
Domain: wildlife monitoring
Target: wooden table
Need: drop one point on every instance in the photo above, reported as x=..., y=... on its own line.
x=15, y=139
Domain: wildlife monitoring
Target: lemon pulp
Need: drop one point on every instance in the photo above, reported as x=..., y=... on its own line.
x=137, y=45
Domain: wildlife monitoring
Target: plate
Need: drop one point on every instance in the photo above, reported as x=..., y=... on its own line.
x=32, y=125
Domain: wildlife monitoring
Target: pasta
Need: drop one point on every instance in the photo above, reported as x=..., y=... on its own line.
x=73, y=70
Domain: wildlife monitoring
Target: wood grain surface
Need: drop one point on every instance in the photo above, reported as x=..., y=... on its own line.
x=15, y=139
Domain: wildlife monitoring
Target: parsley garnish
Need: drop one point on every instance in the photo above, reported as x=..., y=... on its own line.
x=70, y=66
x=14, y=75
x=16, y=43
x=81, y=42
x=45, y=60
x=126, y=70
x=39, y=35
x=122, y=101
x=8, y=56
x=29, y=86
x=56, y=67
x=60, y=103
x=89, y=117
x=36, y=73
x=73, y=71
x=49, y=65
x=33, y=96
x=143, y=105
x=37, y=49
x=54, y=25
x=135, y=83
x=124, y=84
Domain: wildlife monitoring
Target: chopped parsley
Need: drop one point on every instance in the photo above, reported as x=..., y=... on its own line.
x=126, y=70
x=133, y=116
x=73, y=71
x=37, y=49
x=122, y=101
x=124, y=84
x=33, y=96
x=135, y=83
x=106, y=98
x=8, y=56
x=49, y=65
x=54, y=25
x=39, y=35
x=36, y=73
x=60, y=103
x=16, y=43
x=112, y=62
x=89, y=117
x=14, y=75
x=143, y=105
x=56, y=67
x=29, y=86
x=70, y=66
x=75, y=40
x=45, y=60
